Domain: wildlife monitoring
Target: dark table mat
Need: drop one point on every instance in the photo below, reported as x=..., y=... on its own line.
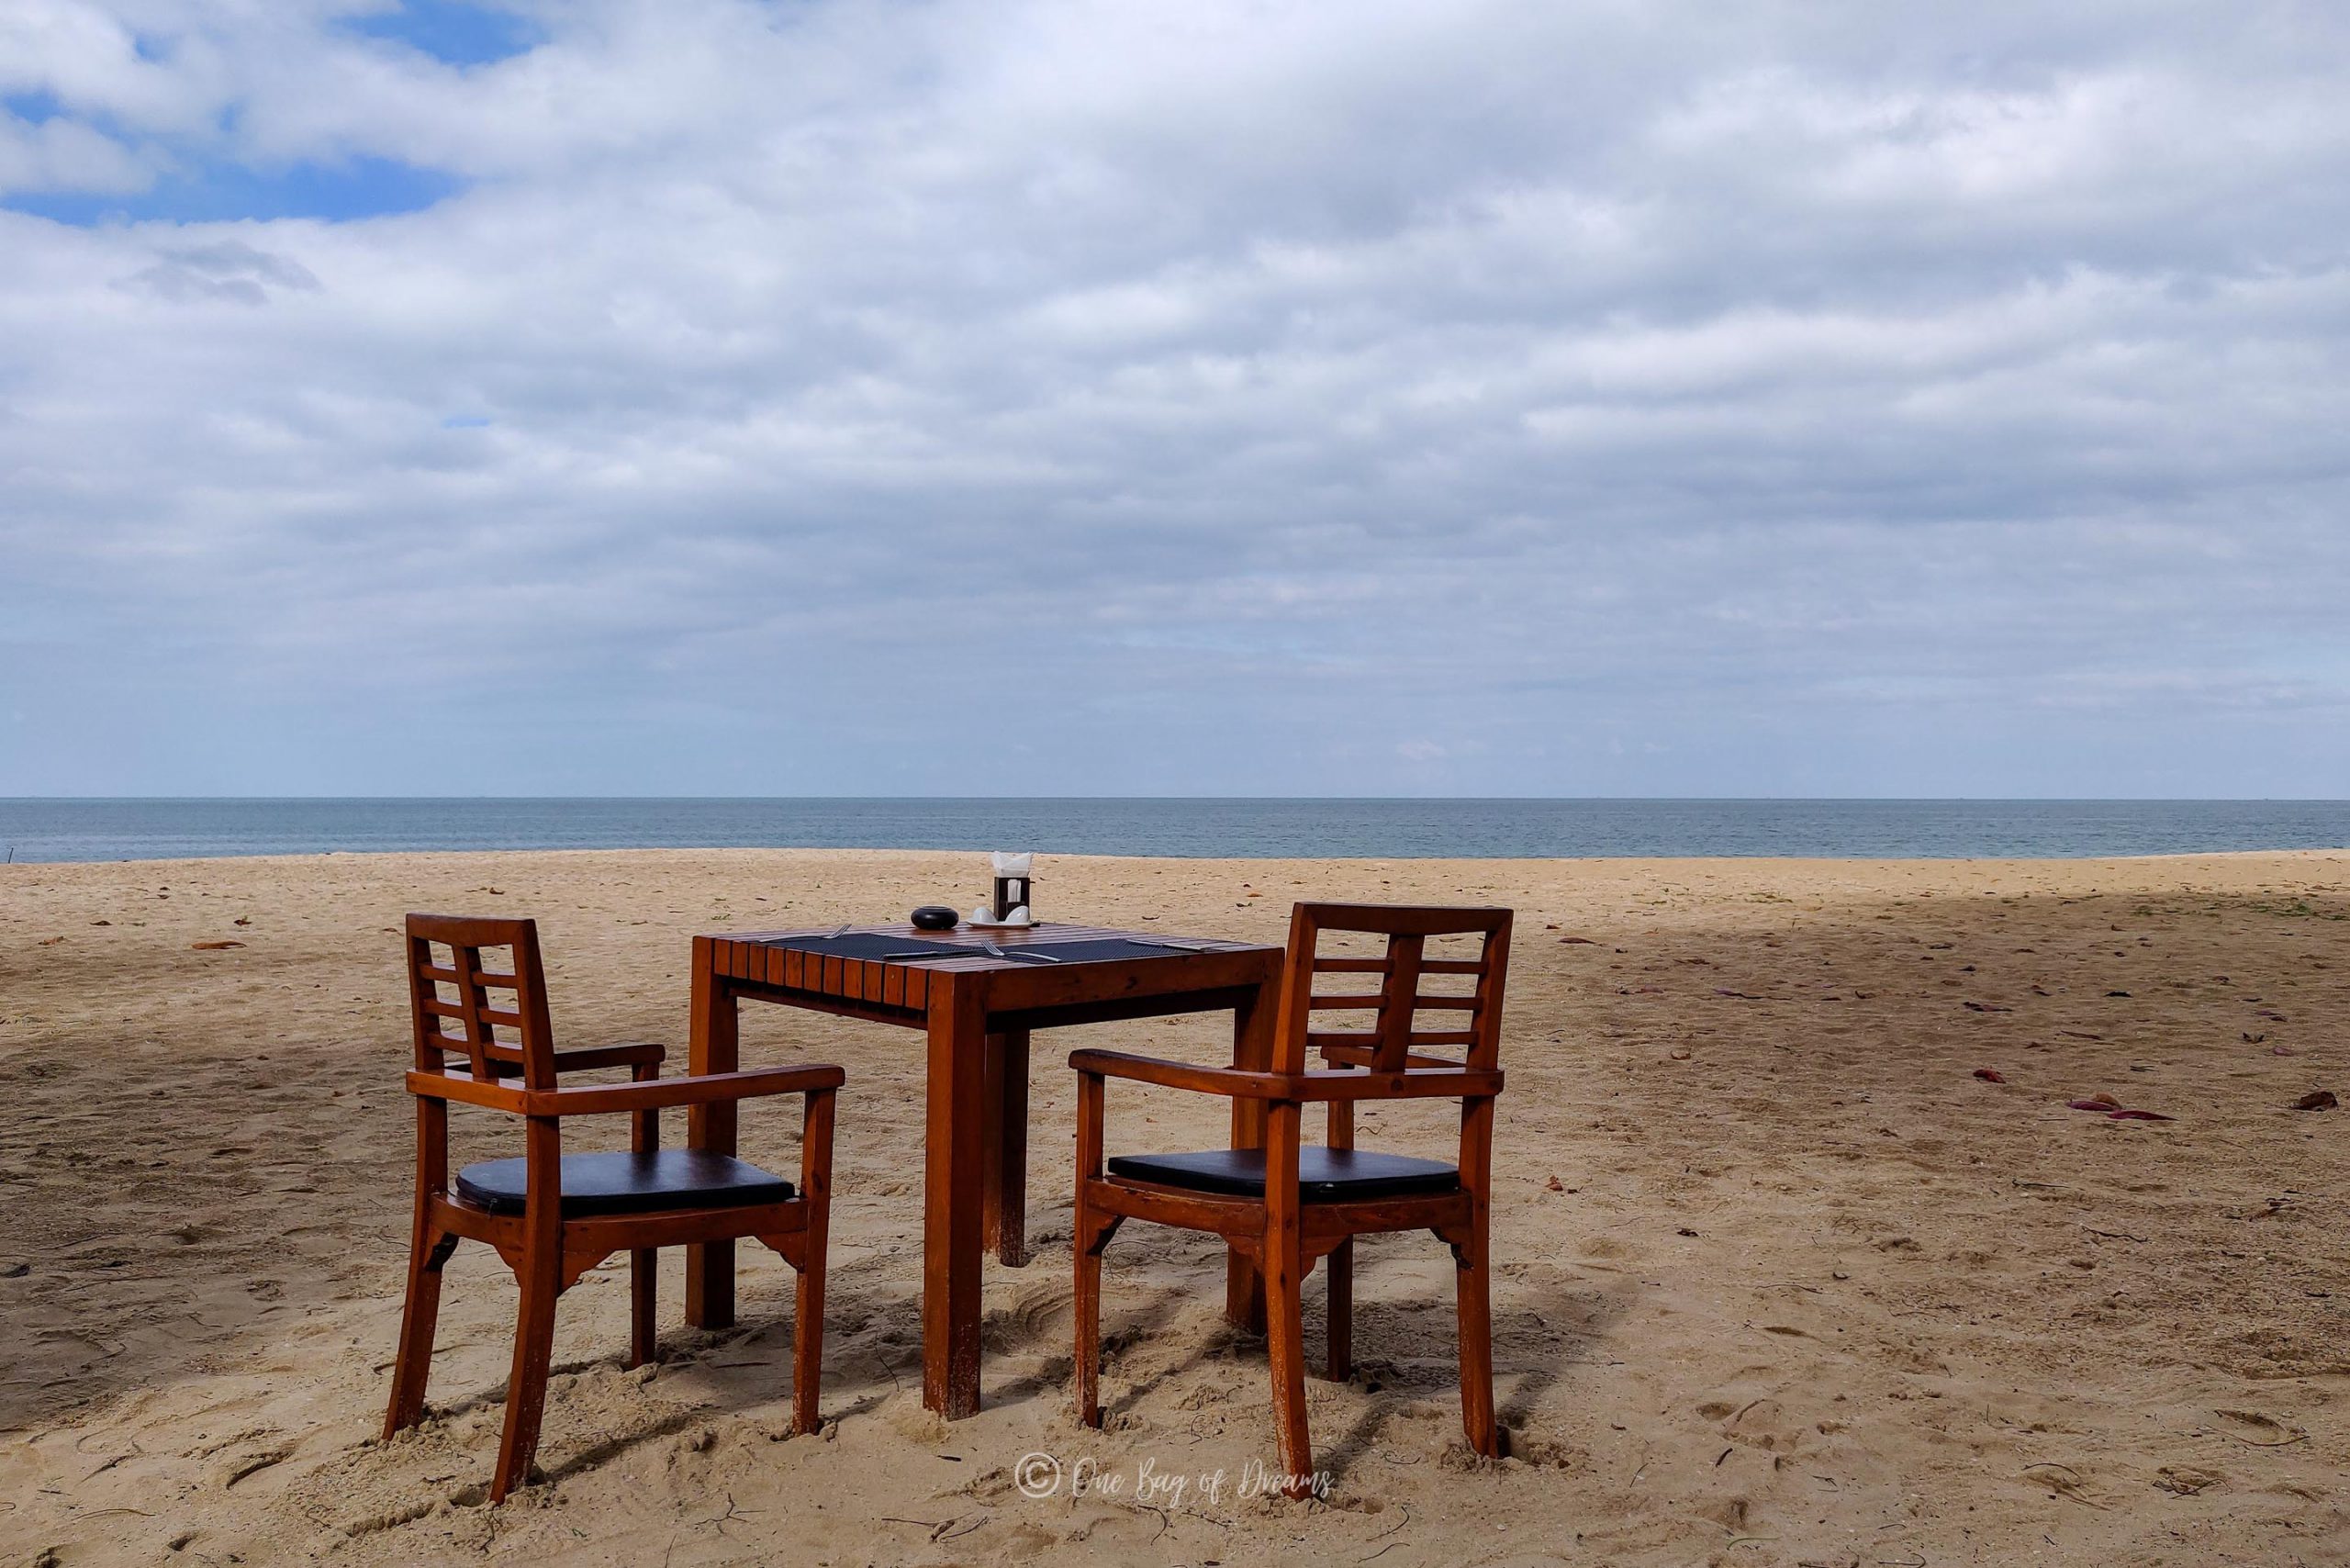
x=1095, y=948
x=870, y=945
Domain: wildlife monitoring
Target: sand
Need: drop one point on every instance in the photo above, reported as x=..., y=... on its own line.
x=1781, y=1281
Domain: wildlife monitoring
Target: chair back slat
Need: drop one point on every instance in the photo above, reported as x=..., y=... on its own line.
x=1396, y=1002
x=1395, y=1036
x=1330, y=964
x=476, y=1016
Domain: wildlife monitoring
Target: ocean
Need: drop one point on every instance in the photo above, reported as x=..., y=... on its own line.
x=51, y=830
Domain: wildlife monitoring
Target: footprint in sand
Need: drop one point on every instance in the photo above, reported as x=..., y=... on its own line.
x=1037, y=1314
x=2258, y=1430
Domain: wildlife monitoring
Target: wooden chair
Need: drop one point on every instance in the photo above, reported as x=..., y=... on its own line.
x=552, y=1215
x=1288, y=1205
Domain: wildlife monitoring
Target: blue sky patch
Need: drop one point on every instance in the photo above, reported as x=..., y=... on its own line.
x=338, y=191
x=452, y=31
x=30, y=107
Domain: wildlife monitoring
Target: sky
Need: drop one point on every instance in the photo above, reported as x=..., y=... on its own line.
x=1256, y=398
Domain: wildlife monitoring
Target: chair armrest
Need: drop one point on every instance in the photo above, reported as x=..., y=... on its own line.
x=455, y=1084
x=1230, y=1082
x=598, y=1099
x=709, y=1089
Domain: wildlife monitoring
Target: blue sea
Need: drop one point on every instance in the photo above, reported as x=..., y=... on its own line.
x=37, y=830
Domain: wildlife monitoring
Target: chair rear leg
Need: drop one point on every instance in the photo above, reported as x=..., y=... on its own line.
x=1339, y=1350
x=1244, y=1293
x=1092, y=1238
x=643, y=1293
x=1472, y=1286
x=1285, y=1344
x=644, y=1265
x=526, y=1388
x=1339, y=1360
x=420, y=1314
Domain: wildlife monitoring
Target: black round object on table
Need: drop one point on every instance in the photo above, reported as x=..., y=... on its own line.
x=935, y=917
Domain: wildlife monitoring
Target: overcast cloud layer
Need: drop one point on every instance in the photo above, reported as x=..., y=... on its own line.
x=995, y=397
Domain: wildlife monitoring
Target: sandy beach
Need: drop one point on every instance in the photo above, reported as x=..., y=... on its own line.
x=1781, y=1280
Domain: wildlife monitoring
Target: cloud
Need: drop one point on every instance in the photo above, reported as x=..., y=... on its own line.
x=224, y=270
x=1236, y=397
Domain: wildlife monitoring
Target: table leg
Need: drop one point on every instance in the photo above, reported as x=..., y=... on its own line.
x=954, y=1184
x=712, y=1045
x=1252, y=1048
x=1006, y=1094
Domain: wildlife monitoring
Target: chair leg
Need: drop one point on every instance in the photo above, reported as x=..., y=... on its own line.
x=644, y=1265
x=1089, y=1319
x=1472, y=1284
x=1244, y=1293
x=420, y=1314
x=808, y=1326
x=643, y=1291
x=526, y=1388
x=1340, y=1351
x=808, y=1299
x=1340, y=1361
x=1285, y=1344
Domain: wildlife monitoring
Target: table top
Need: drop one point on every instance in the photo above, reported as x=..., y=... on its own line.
x=898, y=982
x=1042, y=938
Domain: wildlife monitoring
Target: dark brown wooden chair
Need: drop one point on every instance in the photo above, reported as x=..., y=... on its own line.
x=1287, y=1203
x=552, y=1215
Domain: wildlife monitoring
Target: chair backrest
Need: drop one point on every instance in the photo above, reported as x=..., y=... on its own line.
x=453, y=1012
x=1467, y=1016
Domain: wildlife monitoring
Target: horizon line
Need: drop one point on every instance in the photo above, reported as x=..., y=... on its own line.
x=1379, y=799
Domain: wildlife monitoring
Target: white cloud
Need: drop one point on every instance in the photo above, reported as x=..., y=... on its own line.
x=63, y=154
x=1247, y=397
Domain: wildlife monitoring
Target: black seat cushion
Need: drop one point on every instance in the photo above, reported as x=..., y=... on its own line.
x=628, y=1184
x=1323, y=1175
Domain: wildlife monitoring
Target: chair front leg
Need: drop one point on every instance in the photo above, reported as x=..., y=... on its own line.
x=808, y=1301
x=1284, y=1280
x=1087, y=1246
x=541, y=1271
x=1473, y=1280
x=1473, y=1290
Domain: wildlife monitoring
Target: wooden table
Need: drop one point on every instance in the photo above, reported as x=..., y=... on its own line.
x=979, y=1013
